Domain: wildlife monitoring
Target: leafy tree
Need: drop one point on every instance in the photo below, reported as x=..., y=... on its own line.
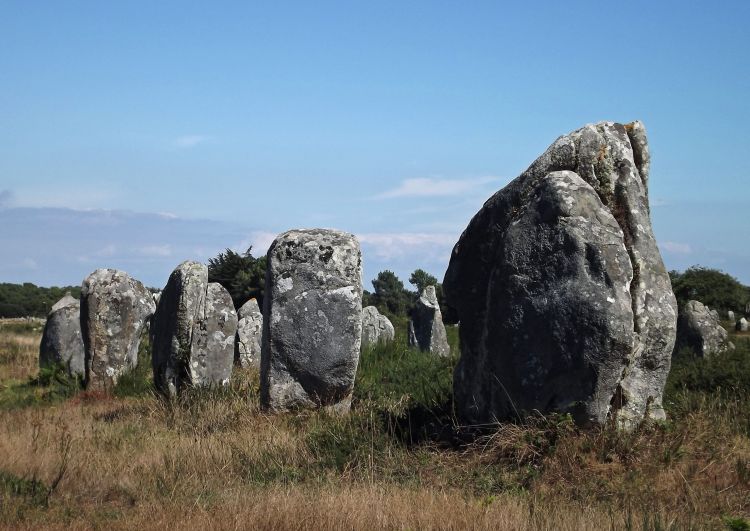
x=390, y=294
x=712, y=287
x=420, y=279
x=29, y=300
x=242, y=275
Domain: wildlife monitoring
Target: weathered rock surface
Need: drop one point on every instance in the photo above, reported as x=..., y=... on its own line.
x=312, y=320
x=741, y=325
x=426, y=328
x=562, y=294
x=114, y=310
x=699, y=329
x=249, y=335
x=376, y=327
x=62, y=343
x=193, y=332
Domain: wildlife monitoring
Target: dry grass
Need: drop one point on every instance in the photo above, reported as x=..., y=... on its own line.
x=213, y=460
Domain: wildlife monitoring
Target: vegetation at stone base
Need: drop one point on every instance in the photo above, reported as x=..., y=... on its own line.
x=712, y=287
x=400, y=460
x=242, y=275
x=28, y=300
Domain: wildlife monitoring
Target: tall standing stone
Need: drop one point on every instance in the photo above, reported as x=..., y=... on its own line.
x=249, y=335
x=699, y=330
x=312, y=320
x=564, y=301
x=376, y=327
x=114, y=312
x=730, y=315
x=193, y=332
x=62, y=343
x=426, y=328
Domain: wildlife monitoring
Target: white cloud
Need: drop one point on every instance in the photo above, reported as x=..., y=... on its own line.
x=189, y=141
x=260, y=240
x=676, y=247
x=427, y=187
x=388, y=246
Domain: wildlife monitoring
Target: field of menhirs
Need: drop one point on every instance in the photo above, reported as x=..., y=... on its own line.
x=211, y=459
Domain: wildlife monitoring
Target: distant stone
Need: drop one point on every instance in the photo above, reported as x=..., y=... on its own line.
x=563, y=298
x=699, y=330
x=157, y=296
x=194, y=331
x=249, y=335
x=426, y=328
x=114, y=312
x=714, y=313
x=376, y=327
x=730, y=315
x=741, y=325
x=312, y=321
x=62, y=343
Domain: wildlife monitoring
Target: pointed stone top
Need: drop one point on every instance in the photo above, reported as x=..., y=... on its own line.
x=67, y=300
x=429, y=298
x=249, y=308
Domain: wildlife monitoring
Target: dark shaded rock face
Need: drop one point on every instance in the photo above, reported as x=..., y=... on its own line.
x=114, y=311
x=564, y=301
x=426, y=328
x=62, y=343
x=312, y=320
x=249, y=334
x=699, y=329
x=193, y=332
x=376, y=327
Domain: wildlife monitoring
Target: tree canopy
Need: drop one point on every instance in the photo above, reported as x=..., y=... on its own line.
x=712, y=287
x=242, y=275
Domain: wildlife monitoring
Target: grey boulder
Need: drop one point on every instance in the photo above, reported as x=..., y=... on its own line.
x=193, y=332
x=312, y=321
x=249, y=335
x=730, y=315
x=741, y=325
x=564, y=301
x=114, y=311
x=376, y=327
x=62, y=343
x=426, y=328
x=699, y=330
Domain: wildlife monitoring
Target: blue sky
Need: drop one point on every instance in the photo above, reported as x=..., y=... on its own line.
x=140, y=134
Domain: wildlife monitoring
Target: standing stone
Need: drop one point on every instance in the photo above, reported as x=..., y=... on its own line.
x=564, y=301
x=714, y=313
x=426, y=328
x=114, y=312
x=249, y=334
x=193, y=332
x=741, y=325
x=312, y=320
x=376, y=327
x=700, y=330
x=730, y=315
x=62, y=343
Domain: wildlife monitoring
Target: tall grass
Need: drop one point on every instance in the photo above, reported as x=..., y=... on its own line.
x=212, y=458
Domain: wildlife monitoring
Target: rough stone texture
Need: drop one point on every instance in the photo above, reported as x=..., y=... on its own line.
x=426, y=328
x=249, y=335
x=562, y=294
x=212, y=352
x=376, y=327
x=312, y=320
x=730, y=315
x=62, y=343
x=741, y=325
x=714, y=313
x=114, y=312
x=193, y=332
x=699, y=329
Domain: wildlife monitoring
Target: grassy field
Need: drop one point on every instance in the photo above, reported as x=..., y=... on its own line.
x=71, y=459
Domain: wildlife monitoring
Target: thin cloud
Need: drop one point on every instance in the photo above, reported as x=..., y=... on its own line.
x=676, y=247
x=190, y=141
x=428, y=187
x=387, y=246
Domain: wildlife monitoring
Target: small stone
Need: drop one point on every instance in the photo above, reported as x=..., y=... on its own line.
x=249, y=335
x=62, y=343
x=426, y=328
x=699, y=329
x=376, y=327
